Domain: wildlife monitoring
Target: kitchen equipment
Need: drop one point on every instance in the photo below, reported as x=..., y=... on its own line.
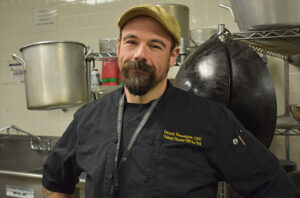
x=294, y=111
x=108, y=47
x=266, y=14
x=199, y=36
x=181, y=13
x=294, y=59
x=55, y=74
x=110, y=72
x=21, y=168
x=231, y=73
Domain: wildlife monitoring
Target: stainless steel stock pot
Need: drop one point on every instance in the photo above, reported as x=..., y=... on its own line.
x=55, y=74
x=265, y=14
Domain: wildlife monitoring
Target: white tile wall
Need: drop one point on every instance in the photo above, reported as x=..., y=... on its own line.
x=88, y=21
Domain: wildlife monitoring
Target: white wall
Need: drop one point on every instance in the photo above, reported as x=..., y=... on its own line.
x=87, y=21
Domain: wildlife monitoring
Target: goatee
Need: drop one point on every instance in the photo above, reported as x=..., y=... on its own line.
x=139, y=77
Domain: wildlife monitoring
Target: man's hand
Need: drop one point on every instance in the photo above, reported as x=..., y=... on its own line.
x=50, y=194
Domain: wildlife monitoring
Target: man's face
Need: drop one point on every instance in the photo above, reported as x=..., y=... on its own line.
x=144, y=55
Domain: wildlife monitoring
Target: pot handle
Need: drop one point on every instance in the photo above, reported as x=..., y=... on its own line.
x=89, y=51
x=227, y=8
x=19, y=60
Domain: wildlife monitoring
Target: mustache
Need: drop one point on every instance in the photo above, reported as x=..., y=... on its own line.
x=141, y=65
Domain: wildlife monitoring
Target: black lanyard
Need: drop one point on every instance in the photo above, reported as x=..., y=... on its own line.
x=131, y=142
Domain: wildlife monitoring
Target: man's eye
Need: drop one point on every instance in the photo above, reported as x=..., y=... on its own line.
x=130, y=42
x=156, y=46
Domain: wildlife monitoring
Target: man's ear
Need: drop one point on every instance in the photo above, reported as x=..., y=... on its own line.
x=173, y=56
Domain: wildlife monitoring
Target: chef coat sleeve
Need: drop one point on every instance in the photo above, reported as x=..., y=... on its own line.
x=59, y=172
x=247, y=165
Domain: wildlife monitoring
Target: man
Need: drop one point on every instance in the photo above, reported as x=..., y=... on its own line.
x=150, y=139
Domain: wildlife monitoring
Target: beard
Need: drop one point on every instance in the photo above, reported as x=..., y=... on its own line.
x=139, y=77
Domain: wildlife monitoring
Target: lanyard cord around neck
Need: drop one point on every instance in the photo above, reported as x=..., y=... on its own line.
x=132, y=139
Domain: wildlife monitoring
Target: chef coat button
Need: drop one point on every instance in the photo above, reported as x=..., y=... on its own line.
x=150, y=141
x=241, y=131
x=109, y=176
x=145, y=179
x=115, y=140
x=235, y=141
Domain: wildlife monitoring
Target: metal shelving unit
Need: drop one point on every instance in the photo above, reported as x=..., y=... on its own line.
x=288, y=130
x=107, y=49
x=283, y=44
x=289, y=127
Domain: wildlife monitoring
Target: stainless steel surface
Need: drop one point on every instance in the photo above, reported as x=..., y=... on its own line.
x=20, y=60
x=22, y=181
x=287, y=123
x=35, y=141
x=21, y=167
x=221, y=30
x=50, y=42
x=182, y=14
x=286, y=86
x=108, y=47
x=199, y=36
x=284, y=42
x=228, y=8
x=269, y=14
x=294, y=111
x=16, y=154
x=88, y=77
x=8, y=128
x=55, y=74
x=287, y=126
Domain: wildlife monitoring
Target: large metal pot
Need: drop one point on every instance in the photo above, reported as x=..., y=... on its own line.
x=182, y=15
x=55, y=74
x=266, y=14
x=199, y=36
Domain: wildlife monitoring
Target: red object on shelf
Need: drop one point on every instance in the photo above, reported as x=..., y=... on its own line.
x=110, y=68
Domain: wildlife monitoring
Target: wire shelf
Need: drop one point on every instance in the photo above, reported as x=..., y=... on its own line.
x=282, y=44
x=287, y=126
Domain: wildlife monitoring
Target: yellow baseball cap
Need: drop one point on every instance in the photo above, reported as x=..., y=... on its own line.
x=158, y=13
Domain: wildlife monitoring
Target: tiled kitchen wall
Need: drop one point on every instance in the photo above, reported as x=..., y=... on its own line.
x=87, y=21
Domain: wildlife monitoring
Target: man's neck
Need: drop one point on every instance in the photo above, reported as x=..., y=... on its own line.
x=152, y=94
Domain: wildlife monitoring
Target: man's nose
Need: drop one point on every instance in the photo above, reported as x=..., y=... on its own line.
x=140, y=53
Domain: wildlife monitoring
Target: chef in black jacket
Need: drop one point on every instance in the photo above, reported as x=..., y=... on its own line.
x=149, y=139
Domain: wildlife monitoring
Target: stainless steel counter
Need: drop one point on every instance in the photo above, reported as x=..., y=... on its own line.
x=21, y=168
x=28, y=184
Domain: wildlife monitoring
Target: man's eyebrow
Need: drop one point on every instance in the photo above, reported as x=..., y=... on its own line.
x=129, y=36
x=158, y=41
x=132, y=36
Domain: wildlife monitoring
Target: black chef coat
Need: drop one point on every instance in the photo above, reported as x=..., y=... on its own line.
x=186, y=147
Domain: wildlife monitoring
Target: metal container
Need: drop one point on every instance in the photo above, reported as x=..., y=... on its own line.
x=294, y=111
x=55, y=74
x=199, y=36
x=21, y=168
x=266, y=14
x=181, y=13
